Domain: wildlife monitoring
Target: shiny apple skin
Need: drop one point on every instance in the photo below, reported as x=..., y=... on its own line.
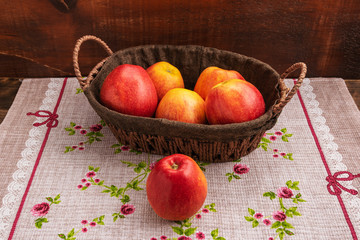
x=234, y=101
x=165, y=77
x=180, y=104
x=128, y=89
x=212, y=76
x=176, y=194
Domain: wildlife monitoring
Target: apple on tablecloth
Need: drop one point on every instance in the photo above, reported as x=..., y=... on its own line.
x=129, y=89
x=176, y=187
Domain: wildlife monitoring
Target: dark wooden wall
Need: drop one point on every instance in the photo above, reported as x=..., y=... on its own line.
x=37, y=37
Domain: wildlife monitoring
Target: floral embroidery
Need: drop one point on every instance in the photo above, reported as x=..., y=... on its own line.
x=71, y=235
x=280, y=216
x=93, y=133
x=238, y=169
x=264, y=143
x=142, y=169
x=186, y=229
x=42, y=209
x=202, y=165
x=118, y=148
x=79, y=90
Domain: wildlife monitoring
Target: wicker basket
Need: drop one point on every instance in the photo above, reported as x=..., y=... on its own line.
x=207, y=143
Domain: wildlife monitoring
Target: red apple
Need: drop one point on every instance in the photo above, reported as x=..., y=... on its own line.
x=212, y=76
x=129, y=89
x=182, y=105
x=165, y=77
x=234, y=101
x=176, y=187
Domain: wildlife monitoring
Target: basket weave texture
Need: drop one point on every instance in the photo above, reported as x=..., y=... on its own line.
x=207, y=143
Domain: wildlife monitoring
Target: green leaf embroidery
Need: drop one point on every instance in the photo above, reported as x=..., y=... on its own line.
x=249, y=219
x=270, y=194
x=276, y=224
x=71, y=233
x=178, y=230
x=284, y=138
x=255, y=223
x=286, y=225
x=251, y=211
x=62, y=236
x=215, y=233
x=190, y=231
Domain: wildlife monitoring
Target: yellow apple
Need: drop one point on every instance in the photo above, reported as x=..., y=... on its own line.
x=165, y=77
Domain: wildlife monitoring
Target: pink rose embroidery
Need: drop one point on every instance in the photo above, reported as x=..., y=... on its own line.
x=163, y=237
x=83, y=132
x=284, y=192
x=127, y=209
x=184, y=238
x=92, y=224
x=40, y=210
x=200, y=235
x=258, y=215
x=267, y=222
x=205, y=210
x=96, y=128
x=272, y=138
x=279, y=216
x=241, y=168
x=125, y=148
x=198, y=216
x=152, y=165
x=91, y=174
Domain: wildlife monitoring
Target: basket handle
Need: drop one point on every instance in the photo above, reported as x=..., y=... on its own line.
x=285, y=93
x=84, y=82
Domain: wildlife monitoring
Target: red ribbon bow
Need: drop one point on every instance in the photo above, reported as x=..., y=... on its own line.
x=50, y=122
x=334, y=187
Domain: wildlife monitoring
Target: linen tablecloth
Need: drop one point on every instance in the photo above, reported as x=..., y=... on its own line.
x=65, y=176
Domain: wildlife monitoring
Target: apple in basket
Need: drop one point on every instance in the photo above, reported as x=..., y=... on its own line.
x=184, y=105
x=212, y=76
x=176, y=187
x=165, y=77
x=234, y=101
x=129, y=89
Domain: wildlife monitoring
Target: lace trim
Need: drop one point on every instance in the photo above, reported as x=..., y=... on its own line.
x=16, y=188
x=330, y=150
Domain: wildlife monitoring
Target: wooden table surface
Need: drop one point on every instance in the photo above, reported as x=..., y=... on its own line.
x=10, y=86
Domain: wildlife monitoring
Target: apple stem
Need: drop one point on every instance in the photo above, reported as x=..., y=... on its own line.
x=174, y=166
